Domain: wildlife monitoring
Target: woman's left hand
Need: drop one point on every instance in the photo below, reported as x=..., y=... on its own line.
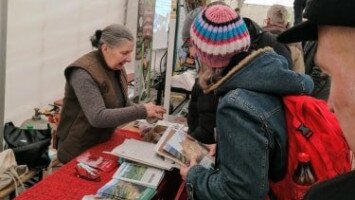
x=185, y=169
x=154, y=111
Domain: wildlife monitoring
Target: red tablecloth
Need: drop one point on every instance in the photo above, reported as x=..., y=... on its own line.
x=64, y=184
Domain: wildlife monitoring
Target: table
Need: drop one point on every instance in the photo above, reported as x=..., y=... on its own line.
x=64, y=184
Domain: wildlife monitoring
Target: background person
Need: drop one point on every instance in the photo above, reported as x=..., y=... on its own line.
x=276, y=23
x=321, y=80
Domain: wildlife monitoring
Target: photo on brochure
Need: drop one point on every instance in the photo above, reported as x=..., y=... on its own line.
x=119, y=189
x=180, y=147
x=139, y=174
x=153, y=134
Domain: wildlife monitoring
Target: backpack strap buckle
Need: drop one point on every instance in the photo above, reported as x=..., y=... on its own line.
x=306, y=132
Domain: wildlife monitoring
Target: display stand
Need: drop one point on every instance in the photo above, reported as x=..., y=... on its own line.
x=175, y=42
x=169, y=67
x=143, y=55
x=3, y=31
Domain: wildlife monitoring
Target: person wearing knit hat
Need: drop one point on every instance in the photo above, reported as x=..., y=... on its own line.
x=201, y=117
x=250, y=124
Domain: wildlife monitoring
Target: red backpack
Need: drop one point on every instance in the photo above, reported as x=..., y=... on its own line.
x=312, y=129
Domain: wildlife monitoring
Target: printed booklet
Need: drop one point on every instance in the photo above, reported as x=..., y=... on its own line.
x=153, y=133
x=139, y=174
x=119, y=189
x=180, y=147
x=97, y=161
x=142, y=152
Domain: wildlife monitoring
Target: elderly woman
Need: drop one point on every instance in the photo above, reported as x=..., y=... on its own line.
x=96, y=101
x=251, y=130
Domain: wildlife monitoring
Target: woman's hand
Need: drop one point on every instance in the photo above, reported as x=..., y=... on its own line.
x=185, y=169
x=154, y=111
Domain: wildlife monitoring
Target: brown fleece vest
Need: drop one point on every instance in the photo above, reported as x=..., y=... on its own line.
x=75, y=134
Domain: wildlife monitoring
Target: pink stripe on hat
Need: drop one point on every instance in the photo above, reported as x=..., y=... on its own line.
x=220, y=14
x=218, y=33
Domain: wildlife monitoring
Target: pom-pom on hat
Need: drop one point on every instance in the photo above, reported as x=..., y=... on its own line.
x=218, y=33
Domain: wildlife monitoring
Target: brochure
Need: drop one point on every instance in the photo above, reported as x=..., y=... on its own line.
x=139, y=174
x=180, y=147
x=154, y=133
x=104, y=163
x=119, y=189
x=142, y=152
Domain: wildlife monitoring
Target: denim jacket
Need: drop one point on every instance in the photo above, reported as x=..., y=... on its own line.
x=251, y=129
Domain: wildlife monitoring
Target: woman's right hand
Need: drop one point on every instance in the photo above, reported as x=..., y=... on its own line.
x=154, y=111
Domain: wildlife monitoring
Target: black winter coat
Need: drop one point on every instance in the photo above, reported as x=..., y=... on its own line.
x=201, y=118
x=320, y=79
x=260, y=39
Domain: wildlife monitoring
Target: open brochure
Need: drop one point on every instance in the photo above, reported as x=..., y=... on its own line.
x=119, y=189
x=180, y=147
x=139, y=174
x=152, y=133
x=142, y=152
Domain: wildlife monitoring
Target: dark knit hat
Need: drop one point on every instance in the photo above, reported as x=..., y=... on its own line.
x=218, y=33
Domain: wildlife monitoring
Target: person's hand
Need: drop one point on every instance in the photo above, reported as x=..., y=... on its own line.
x=185, y=169
x=154, y=111
x=211, y=149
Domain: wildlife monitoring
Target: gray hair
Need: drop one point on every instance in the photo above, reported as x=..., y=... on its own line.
x=278, y=14
x=217, y=3
x=112, y=36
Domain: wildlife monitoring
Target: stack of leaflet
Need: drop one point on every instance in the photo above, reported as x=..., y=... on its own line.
x=139, y=174
x=144, y=151
x=119, y=189
x=132, y=181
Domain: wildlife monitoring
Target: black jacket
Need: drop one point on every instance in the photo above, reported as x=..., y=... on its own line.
x=340, y=187
x=201, y=118
x=320, y=79
x=260, y=39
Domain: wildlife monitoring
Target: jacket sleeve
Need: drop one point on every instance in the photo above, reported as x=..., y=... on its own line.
x=93, y=105
x=243, y=155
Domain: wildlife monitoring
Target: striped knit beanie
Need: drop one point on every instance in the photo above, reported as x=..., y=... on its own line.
x=218, y=33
